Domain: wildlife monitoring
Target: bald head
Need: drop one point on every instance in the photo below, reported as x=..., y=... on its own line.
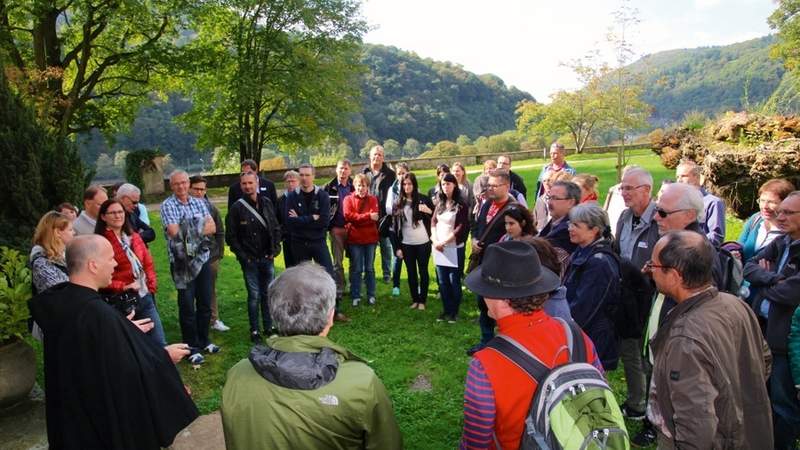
x=90, y=261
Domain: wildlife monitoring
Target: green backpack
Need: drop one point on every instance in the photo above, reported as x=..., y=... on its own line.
x=573, y=407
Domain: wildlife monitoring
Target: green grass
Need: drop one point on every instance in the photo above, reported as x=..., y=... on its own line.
x=400, y=344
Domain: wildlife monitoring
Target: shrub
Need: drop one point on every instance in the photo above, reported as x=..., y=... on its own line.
x=15, y=290
x=134, y=161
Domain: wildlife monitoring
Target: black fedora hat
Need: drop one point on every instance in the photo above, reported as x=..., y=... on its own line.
x=511, y=269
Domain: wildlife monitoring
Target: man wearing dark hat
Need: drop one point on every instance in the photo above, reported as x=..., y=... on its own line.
x=497, y=392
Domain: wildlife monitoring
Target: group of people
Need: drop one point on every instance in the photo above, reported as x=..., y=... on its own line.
x=706, y=366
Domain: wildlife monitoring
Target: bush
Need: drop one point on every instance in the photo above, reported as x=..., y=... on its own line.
x=134, y=161
x=694, y=121
x=15, y=290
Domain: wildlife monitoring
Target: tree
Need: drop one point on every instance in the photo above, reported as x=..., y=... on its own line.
x=39, y=170
x=412, y=147
x=392, y=148
x=627, y=111
x=87, y=64
x=463, y=140
x=786, y=20
x=269, y=71
x=364, y=153
x=577, y=112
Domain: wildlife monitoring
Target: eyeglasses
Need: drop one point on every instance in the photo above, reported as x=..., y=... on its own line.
x=549, y=197
x=764, y=201
x=628, y=188
x=664, y=213
x=786, y=212
x=649, y=266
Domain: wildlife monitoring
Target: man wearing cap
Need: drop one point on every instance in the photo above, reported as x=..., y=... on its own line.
x=495, y=387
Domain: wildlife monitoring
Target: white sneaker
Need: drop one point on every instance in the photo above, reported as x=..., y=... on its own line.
x=356, y=301
x=220, y=326
x=371, y=300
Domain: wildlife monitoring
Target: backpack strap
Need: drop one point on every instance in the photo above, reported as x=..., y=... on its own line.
x=255, y=213
x=520, y=356
x=575, y=341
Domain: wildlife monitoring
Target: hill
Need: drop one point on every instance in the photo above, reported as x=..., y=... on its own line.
x=405, y=96
x=709, y=79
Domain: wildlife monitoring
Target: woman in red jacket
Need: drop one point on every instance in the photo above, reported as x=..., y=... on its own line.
x=134, y=271
x=361, y=223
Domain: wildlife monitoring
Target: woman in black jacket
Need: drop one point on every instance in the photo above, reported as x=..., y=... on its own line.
x=412, y=237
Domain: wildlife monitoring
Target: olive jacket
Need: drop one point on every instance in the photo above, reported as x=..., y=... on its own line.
x=710, y=376
x=306, y=392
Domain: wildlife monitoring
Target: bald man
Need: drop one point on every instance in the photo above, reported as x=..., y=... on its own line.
x=107, y=385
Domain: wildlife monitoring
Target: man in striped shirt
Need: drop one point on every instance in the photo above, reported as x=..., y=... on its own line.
x=497, y=393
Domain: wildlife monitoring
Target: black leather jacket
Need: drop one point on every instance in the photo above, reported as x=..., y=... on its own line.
x=245, y=234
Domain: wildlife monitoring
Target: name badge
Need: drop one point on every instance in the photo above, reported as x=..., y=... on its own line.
x=642, y=244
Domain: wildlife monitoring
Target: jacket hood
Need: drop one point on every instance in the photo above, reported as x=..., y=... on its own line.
x=299, y=362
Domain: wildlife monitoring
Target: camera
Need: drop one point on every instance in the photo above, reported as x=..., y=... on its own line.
x=124, y=302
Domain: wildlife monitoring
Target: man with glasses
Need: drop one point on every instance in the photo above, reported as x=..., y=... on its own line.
x=488, y=228
x=775, y=272
x=188, y=227
x=517, y=184
x=679, y=208
x=129, y=195
x=637, y=233
x=198, y=189
x=563, y=196
x=711, y=362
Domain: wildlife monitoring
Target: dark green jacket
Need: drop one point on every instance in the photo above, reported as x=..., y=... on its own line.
x=306, y=392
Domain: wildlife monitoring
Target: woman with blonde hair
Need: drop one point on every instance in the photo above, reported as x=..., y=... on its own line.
x=48, y=267
x=588, y=184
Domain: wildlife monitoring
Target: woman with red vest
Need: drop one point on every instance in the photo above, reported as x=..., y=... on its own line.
x=361, y=223
x=134, y=271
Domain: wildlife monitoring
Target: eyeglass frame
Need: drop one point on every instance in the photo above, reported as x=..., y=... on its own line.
x=649, y=266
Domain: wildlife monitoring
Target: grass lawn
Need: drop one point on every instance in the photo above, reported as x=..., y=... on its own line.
x=400, y=344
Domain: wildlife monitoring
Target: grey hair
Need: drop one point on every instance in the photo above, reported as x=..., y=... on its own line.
x=344, y=162
x=691, y=254
x=793, y=194
x=592, y=215
x=127, y=190
x=557, y=145
x=290, y=174
x=689, y=197
x=642, y=174
x=572, y=189
x=692, y=166
x=177, y=172
x=301, y=299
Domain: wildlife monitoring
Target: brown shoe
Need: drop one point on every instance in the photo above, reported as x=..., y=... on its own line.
x=421, y=306
x=339, y=317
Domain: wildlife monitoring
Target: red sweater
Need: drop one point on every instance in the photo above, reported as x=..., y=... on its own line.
x=123, y=273
x=361, y=228
x=509, y=388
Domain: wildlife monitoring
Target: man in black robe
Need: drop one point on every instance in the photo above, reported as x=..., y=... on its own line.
x=107, y=385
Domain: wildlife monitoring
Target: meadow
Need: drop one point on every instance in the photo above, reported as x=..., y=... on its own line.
x=422, y=362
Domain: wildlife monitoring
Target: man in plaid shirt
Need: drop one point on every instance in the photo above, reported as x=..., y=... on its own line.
x=189, y=228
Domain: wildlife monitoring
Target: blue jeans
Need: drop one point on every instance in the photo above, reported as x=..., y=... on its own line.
x=146, y=309
x=362, y=260
x=785, y=405
x=387, y=255
x=194, y=310
x=449, y=279
x=258, y=274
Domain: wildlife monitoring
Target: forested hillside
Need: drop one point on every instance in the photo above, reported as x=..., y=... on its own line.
x=405, y=96
x=709, y=79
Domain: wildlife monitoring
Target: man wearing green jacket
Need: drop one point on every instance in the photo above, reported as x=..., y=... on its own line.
x=301, y=390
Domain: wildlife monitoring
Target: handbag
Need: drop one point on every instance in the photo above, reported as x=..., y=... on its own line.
x=124, y=302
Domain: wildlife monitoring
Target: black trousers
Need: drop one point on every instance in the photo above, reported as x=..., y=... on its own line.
x=416, y=258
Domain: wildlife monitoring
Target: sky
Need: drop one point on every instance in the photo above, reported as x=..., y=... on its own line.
x=525, y=42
